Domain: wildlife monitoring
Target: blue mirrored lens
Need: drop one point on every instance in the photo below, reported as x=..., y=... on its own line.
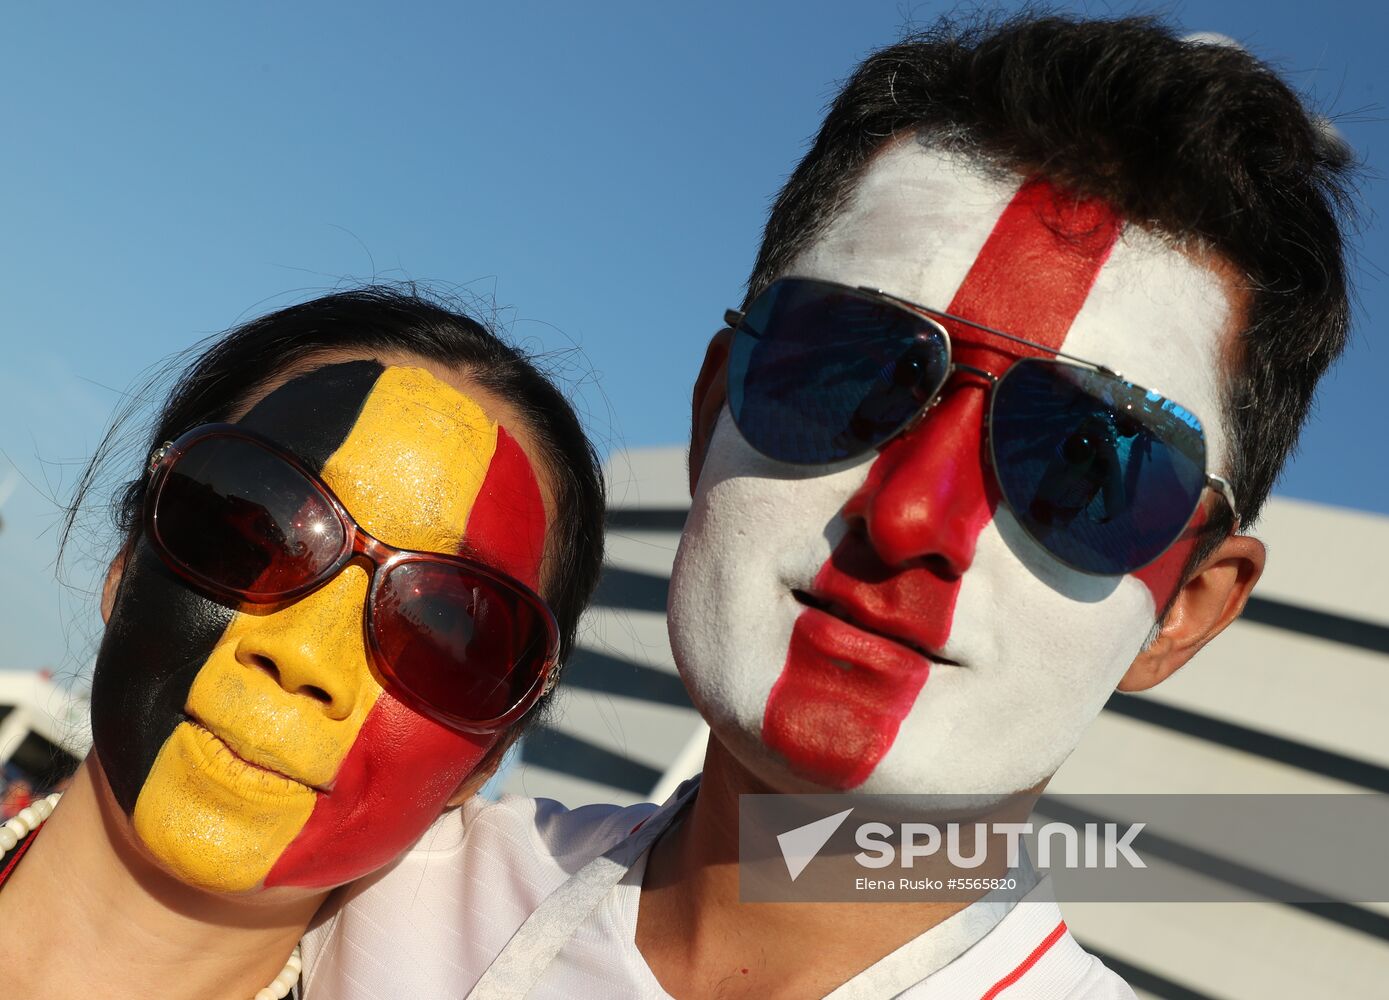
x=1102, y=473
x=819, y=373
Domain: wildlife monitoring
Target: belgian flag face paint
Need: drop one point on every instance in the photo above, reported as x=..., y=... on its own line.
x=255, y=747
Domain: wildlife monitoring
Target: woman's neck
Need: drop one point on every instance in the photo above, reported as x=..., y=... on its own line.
x=86, y=906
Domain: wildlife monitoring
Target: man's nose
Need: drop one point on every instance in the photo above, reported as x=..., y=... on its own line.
x=316, y=647
x=925, y=500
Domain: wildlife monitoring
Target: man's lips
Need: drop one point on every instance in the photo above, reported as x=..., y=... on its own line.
x=874, y=624
x=240, y=755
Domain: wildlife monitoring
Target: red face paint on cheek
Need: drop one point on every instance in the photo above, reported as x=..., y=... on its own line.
x=918, y=516
x=396, y=779
x=1163, y=575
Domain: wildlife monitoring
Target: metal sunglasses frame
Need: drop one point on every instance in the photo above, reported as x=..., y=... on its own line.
x=1219, y=484
x=358, y=546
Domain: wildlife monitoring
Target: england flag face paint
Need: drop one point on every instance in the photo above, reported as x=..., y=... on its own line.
x=885, y=624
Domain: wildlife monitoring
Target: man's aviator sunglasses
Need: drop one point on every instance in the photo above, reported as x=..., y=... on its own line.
x=247, y=523
x=1103, y=474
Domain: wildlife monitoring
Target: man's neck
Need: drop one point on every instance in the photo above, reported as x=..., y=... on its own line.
x=700, y=941
x=85, y=907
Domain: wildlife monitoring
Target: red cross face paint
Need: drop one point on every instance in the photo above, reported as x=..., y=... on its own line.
x=255, y=747
x=884, y=624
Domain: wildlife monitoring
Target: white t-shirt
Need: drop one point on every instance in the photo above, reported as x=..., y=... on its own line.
x=432, y=924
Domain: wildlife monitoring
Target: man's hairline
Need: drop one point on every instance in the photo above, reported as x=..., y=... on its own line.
x=1237, y=285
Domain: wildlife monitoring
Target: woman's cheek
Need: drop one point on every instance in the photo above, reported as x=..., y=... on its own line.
x=395, y=781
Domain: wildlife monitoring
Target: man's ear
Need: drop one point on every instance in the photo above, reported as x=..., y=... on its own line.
x=710, y=391
x=1213, y=597
x=112, y=584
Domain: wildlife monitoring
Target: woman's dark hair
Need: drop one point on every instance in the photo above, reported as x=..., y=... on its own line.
x=386, y=319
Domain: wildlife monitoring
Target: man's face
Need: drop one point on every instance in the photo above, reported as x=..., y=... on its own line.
x=255, y=747
x=885, y=624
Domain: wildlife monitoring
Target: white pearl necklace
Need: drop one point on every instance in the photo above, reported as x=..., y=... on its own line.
x=31, y=817
x=26, y=821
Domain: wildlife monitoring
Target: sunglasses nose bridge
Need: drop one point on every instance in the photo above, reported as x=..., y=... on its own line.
x=930, y=403
x=371, y=550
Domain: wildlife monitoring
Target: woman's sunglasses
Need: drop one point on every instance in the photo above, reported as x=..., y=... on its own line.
x=245, y=522
x=1104, y=474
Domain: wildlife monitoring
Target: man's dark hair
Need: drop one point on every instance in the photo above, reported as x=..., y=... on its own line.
x=1199, y=141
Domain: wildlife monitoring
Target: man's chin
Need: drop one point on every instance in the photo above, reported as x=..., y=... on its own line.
x=765, y=771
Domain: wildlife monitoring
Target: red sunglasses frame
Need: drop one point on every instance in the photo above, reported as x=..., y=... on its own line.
x=358, y=546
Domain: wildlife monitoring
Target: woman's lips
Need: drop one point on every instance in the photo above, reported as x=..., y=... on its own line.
x=216, y=745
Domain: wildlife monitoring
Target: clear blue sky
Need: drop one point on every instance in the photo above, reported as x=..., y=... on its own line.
x=599, y=172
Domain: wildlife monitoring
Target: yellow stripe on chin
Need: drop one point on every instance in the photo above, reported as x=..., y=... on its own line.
x=211, y=817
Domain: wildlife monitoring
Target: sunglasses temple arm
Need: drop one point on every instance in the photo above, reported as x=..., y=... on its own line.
x=1222, y=486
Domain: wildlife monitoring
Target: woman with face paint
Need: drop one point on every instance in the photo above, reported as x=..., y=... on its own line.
x=350, y=566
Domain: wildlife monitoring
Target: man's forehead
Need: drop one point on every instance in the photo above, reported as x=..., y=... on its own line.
x=915, y=226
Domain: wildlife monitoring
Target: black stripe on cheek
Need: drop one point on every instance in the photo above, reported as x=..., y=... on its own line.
x=162, y=631
x=160, y=635
x=312, y=415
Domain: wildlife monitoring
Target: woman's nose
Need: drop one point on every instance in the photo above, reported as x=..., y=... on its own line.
x=926, y=500
x=315, y=647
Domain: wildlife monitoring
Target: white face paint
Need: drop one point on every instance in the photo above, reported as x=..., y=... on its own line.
x=1024, y=650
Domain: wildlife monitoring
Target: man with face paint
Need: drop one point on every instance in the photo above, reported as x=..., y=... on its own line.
x=886, y=585
x=324, y=627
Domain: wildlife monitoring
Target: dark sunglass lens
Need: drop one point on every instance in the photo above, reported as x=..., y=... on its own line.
x=243, y=520
x=463, y=647
x=1103, y=474
x=818, y=373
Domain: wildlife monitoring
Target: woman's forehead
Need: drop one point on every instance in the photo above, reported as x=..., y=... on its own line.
x=502, y=411
x=411, y=467
x=407, y=453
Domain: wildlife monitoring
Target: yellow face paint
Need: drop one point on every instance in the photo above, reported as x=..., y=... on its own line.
x=282, y=698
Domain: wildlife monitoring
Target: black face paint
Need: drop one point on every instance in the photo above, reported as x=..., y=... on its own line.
x=162, y=631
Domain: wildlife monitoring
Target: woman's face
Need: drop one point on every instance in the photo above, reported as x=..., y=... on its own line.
x=255, y=747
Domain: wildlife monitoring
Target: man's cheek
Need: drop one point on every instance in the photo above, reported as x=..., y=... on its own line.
x=161, y=634
x=1163, y=575
x=396, y=779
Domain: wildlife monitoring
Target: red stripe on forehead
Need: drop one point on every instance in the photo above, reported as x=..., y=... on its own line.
x=1035, y=270
x=507, y=524
x=1031, y=279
